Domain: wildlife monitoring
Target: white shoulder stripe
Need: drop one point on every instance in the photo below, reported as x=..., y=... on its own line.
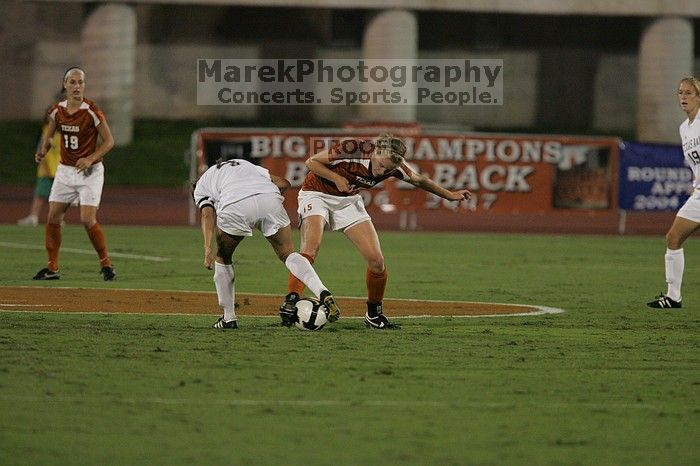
x=93, y=115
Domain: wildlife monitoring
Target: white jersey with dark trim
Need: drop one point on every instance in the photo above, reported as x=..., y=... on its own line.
x=231, y=181
x=690, y=139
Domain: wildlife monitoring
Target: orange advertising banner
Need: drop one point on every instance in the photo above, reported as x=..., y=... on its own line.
x=506, y=173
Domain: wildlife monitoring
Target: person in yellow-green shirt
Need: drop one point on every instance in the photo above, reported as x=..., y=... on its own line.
x=45, y=173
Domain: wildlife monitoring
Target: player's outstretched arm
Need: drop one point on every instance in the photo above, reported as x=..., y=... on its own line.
x=426, y=184
x=318, y=164
x=107, y=143
x=45, y=143
x=282, y=183
x=208, y=222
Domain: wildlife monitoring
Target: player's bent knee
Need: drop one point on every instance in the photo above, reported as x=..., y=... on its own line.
x=673, y=241
x=376, y=264
x=283, y=255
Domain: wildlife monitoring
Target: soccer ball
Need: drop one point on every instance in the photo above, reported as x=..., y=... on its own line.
x=311, y=314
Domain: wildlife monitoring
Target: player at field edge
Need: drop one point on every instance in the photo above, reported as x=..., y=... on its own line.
x=235, y=196
x=45, y=173
x=329, y=196
x=687, y=219
x=80, y=174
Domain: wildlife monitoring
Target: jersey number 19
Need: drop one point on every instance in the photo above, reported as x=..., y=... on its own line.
x=71, y=142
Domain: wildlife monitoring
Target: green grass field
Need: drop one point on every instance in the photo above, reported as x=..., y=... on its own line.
x=608, y=382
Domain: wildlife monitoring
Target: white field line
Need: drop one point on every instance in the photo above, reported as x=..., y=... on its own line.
x=541, y=310
x=319, y=403
x=25, y=305
x=554, y=309
x=525, y=314
x=87, y=251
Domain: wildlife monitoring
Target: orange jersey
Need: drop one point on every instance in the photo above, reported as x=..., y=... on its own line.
x=351, y=159
x=78, y=131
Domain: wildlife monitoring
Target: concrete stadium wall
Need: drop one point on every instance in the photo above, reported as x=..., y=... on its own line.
x=554, y=79
x=165, y=87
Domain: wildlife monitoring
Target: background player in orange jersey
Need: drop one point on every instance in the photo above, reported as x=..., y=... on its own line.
x=329, y=196
x=80, y=175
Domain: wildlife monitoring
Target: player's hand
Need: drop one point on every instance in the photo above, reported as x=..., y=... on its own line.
x=83, y=164
x=208, y=258
x=39, y=156
x=460, y=195
x=343, y=185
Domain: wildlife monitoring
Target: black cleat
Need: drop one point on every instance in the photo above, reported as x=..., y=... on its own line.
x=221, y=323
x=108, y=274
x=288, y=310
x=664, y=302
x=46, y=274
x=380, y=321
x=374, y=318
x=332, y=309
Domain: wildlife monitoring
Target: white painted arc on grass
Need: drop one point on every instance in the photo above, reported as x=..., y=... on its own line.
x=540, y=309
x=87, y=251
x=551, y=310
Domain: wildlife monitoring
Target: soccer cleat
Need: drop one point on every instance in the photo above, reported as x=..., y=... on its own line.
x=221, y=323
x=46, y=274
x=288, y=310
x=663, y=302
x=28, y=221
x=380, y=321
x=108, y=274
x=374, y=318
x=332, y=309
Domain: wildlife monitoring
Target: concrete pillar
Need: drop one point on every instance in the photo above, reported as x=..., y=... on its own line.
x=559, y=107
x=665, y=56
x=390, y=34
x=109, y=51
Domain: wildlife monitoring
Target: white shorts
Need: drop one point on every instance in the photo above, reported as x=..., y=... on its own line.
x=339, y=212
x=71, y=187
x=691, y=209
x=262, y=211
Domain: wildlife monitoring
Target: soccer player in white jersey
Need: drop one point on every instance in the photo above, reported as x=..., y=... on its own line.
x=234, y=197
x=688, y=217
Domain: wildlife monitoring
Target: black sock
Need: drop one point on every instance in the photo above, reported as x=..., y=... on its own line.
x=374, y=309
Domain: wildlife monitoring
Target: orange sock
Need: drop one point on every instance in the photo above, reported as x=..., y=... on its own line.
x=97, y=238
x=294, y=285
x=52, y=241
x=376, y=283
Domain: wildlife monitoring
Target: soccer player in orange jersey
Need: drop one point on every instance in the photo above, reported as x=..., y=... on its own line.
x=330, y=196
x=80, y=175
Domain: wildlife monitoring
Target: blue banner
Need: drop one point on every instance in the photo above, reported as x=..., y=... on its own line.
x=653, y=177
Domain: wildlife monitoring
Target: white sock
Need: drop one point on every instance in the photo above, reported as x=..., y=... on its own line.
x=302, y=269
x=675, y=263
x=225, y=290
